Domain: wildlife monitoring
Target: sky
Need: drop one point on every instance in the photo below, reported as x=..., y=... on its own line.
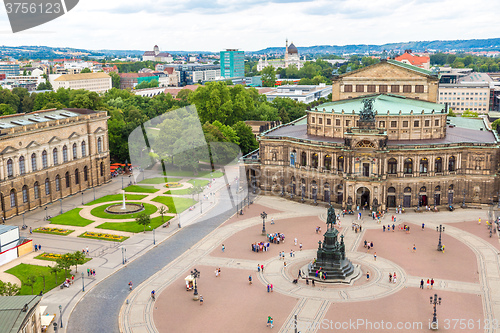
x=250, y=25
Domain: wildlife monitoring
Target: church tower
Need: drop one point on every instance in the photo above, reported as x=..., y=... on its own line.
x=286, y=53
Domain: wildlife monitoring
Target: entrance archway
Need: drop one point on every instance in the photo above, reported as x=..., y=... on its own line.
x=363, y=197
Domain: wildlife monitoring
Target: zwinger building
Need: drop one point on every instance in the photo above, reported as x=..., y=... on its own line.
x=378, y=149
x=51, y=154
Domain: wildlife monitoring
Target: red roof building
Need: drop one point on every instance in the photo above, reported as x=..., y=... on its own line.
x=411, y=59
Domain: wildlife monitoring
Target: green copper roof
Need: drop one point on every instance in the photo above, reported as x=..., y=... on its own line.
x=411, y=67
x=381, y=104
x=470, y=123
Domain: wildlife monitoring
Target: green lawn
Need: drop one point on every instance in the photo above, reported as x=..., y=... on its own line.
x=22, y=271
x=201, y=174
x=99, y=212
x=133, y=226
x=141, y=189
x=116, y=197
x=184, y=191
x=181, y=204
x=159, y=180
x=200, y=182
x=71, y=217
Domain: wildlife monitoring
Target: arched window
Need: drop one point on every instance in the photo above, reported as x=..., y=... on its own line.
x=99, y=145
x=44, y=159
x=303, y=159
x=12, y=198
x=438, y=165
x=58, y=183
x=392, y=166
x=77, y=177
x=315, y=160
x=102, y=169
x=33, y=162
x=10, y=169
x=47, y=186
x=327, y=161
x=407, y=190
x=437, y=188
x=451, y=164
x=36, y=189
x=408, y=166
x=54, y=155
x=84, y=149
x=65, y=154
x=391, y=190
x=423, y=189
x=85, y=174
x=450, y=188
x=424, y=165
x=25, y=193
x=74, y=151
x=67, y=179
x=340, y=163
x=22, y=166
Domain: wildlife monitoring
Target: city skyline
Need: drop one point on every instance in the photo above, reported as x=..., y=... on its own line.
x=254, y=25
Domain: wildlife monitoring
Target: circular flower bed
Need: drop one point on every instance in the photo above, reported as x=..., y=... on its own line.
x=99, y=235
x=173, y=184
x=54, y=231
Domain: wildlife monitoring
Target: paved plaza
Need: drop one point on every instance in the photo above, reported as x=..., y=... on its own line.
x=466, y=275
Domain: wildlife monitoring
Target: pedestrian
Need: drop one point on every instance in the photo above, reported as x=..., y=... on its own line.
x=375, y=256
x=40, y=247
x=271, y=287
x=72, y=279
x=383, y=227
x=36, y=247
x=88, y=271
x=258, y=268
x=272, y=321
x=423, y=225
x=31, y=231
x=268, y=321
x=93, y=272
x=201, y=300
x=371, y=245
x=268, y=288
x=394, y=277
x=390, y=277
x=428, y=282
x=479, y=222
x=291, y=252
x=87, y=250
x=393, y=226
x=442, y=247
x=300, y=273
x=216, y=272
x=312, y=282
x=284, y=264
x=422, y=284
x=394, y=220
x=223, y=248
x=366, y=242
x=272, y=220
x=262, y=268
x=414, y=248
x=250, y=279
x=300, y=246
x=368, y=275
x=219, y=271
x=432, y=283
x=295, y=241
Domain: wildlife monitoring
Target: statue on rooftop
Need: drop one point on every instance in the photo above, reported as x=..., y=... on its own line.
x=367, y=114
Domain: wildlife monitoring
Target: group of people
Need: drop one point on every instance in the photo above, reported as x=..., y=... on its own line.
x=276, y=238
x=319, y=273
x=38, y=247
x=259, y=247
x=368, y=245
x=90, y=272
x=429, y=282
x=356, y=227
x=392, y=278
x=217, y=272
x=389, y=227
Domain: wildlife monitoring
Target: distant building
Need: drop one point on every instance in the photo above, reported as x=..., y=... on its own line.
x=109, y=69
x=300, y=93
x=194, y=73
x=409, y=58
x=20, y=314
x=97, y=82
x=452, y=75
x=291, y=58
x=460, y=97
x=130, y=80
x=9, y=69
x=156, y=55
x=232, y=63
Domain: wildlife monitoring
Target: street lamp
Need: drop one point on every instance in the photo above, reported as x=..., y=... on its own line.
x=124, y=258
x=264, y=216
x=122, y=182
x=463, y=202
x=154, y=238
x=46, y=216
x=196, y=274
x=82, y=198
x=83, y=284
x=179, y=218
x=303, y=192
x=60, y=314
x=440, y=229
x=23, y=221
x=60, y=200
x=435, y=301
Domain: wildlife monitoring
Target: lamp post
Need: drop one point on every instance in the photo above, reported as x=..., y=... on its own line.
x=463, y=202
x=435, y=301
x=154, y=238
x=196, y=274
x=23, y=221
x=83, y=284
x=94, y=193
x=303, y=192
x=122, y=182
x=82, y=198
x=179, y=218
x=60, y=314
x=60, y=200
x=124, y=251
x=264, y=216
x=46, y=216
x=440, y=229
x=282, y=188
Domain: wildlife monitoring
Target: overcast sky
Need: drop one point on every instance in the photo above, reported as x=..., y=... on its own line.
x=213, y=25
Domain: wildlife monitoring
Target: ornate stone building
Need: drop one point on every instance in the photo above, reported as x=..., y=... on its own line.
x=50, y=154
x=379, y=151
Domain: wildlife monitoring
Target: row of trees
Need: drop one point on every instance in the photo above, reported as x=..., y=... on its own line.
x=477, y=63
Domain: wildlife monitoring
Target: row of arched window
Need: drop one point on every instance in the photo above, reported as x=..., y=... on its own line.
x=392, y=165
x=55, y=158
x=57, y=181
x=423, y=189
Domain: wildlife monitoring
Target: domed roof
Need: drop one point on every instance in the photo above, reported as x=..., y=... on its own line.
x=292, y=49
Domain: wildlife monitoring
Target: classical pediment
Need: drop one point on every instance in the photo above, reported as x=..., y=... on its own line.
x=99, y=130
x=8, y=150
x=54, y=139
x=74, y=135
x=32, y=144
x=387, y=71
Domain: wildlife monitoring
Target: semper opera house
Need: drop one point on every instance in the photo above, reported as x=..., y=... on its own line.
x=381, y=143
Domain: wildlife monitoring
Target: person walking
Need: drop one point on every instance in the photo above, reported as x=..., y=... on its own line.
x=300, y=246
x=250, y=279
x=258, y=268
x=268, y=288
x=31, y=231
x=390, y=277
x=201, y=300
x=295, y=241
x=223, y=247
x=312, y=283
x=272, y=220
x=271, y=285
x=414, y=249
x=262, y=268
x=368, y=275
x=428, y=282
x=88, y=271
x=216, y=272
x=375, y=256
x=130, y=285
x=268, y=321
x=423, y=226
x=432, y=283
x=422, y=284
